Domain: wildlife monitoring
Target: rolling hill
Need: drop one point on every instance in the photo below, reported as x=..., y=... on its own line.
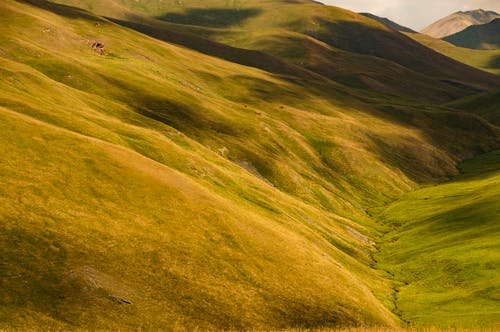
x=482, y=37
x=459, y=21
x=387, y=22
x=487, y=60
x=161, y=170
x=439, y=249
x=486, y=105
x=338, y=44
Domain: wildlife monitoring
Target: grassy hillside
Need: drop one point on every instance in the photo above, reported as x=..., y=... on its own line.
x=137, y=212
x=151, y=186
x=485, y=105
x=488, y=60
x=387, y=22
x=443, y=249
x=482, y=37
x=338, y=44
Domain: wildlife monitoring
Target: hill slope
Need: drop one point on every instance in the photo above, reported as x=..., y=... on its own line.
x=482, y=37
x=443, y=249
x=150, y=186
x=485, y=105
x=488, y=60
x=387, y=22
x=335, y=43
x=459, y=21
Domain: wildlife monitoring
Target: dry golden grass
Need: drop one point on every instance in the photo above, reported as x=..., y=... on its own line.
x=122, y=181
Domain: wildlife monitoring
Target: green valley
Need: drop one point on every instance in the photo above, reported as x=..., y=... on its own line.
x=488, y=60
x=443, y=249
x=240, y=165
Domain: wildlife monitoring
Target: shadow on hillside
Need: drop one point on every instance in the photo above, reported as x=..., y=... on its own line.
x=211, y=17
x=461, y=134
x=250, y=58
x=494, y=63
x=364, y=39
x=187, y=117
x=62, y=10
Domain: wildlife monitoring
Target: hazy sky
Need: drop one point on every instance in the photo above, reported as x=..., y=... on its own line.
x=416, y=14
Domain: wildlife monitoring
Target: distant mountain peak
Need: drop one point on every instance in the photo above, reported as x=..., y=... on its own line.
x=481, y=15
x=459, y=21
x=479, y=10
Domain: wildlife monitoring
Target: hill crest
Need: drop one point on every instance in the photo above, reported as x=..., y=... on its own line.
x=459, y=21
x=389, y=23
x=482, y=37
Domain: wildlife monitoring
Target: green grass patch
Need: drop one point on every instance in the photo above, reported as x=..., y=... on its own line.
x=443, y=249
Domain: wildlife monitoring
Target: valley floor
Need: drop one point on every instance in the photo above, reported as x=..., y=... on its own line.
x=442, y=249
x=179, y=183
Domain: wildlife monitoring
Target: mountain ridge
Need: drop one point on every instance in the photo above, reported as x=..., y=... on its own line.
x=325, y=43
x=459, y=21
x=391, y=24
x=486, y=60
x=482, y=37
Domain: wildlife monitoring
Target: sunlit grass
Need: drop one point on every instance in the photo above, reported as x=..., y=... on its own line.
x=488, y=60
x=443, y=250
x=157, y=188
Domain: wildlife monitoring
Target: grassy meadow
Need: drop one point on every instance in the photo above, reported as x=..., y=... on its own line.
x=485, y=105
x=442, y=249
x=160, y=187
x=488, y=60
